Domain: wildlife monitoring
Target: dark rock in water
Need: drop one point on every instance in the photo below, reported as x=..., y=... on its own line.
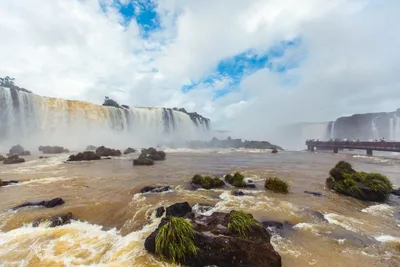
x=155, y=189
x=90, y=147
x=395, y=192
x=278, y=227
x=42, y=157
x=178, y=209
x=143, y=162
x=153, y=154
x=204, y=207
x=2, y=158
x=129, y=150
x=159, y=212
x=364, y=186
x=14, y=159
x=275, y=224
x=315, y=194
x=56, y=220
x=216, y=243
x=274, y=151
x=18, y=150
x=237, y=193
x=53, y=149
x=316, y=214
x=83, y=156
x=5, y=183
x=251, y=185
x=106, y=158
x=45, y=203
x=103, y=151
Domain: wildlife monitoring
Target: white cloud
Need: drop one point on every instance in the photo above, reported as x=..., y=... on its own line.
x=348, y=51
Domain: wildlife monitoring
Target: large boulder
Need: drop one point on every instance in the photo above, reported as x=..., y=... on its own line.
x=83, y=156
x=44, y=203
x=143, y=161
x=18, y=150
x=222, y=239
x=103, y=151
x=5, y=183
x=53, y=149
x=14, y=159
x=178, y=210
x=361, y=185
x=129, y=150
x=206, y=182
x=90, y=147
x=153, y=154
x=54, y=221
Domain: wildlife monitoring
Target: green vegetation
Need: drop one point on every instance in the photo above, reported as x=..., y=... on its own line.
x=397, y=247
x=207, y=182
x=175, y=239
x=365, y=186
x=237, y=180
x=241, y=223
x=277, y=185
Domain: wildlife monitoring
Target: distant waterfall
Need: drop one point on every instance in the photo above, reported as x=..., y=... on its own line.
x=332, y=135
x=375, y=131
x=27, y=118
x=395, y=128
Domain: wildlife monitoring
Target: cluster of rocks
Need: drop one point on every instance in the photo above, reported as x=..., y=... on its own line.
x=53, y=149
x=148, y=156
x=18, y=150
x=234, y=143
x=13, y=159
x=99, y=152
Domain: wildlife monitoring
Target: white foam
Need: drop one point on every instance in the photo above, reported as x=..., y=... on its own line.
x=380, y=210
x=387, y=238
x=346, y=222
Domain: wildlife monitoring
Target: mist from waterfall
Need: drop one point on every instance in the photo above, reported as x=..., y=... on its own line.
x=394, y=128
x=375, y=131
x=332, y=135
x=32, y=120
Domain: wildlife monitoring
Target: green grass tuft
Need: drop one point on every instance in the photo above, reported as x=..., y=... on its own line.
x=277, y=185
x=241, y=223
x=175, y=240
x=237, y=180
x=207, y=182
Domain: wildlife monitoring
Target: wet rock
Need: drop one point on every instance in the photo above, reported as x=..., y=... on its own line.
x=278, y=227
x=206, y=182
x=143, y=161
x=315, y=194
x=219, y=245
x=178, y=209
x=160, y=212
x=90, y=147
x=316, y=214
x=14, y=159
x=53, y=149
x=45, y=203
x=395, y=192
x=153, y=154
x=155, y=189
x=5, y=183
x=237, y=193
x=18, y=150
x=129, y=150
x=42, y=157
x=274, y=151
x=103, y=151
x=357, y=239
x=106, y=158
x=84, y=156
x=238, y=180
x=54, y=221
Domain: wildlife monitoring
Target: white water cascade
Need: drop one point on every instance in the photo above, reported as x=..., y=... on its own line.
x=394, y=128
x=32, y=120
x=332, y=135
x=375, y=131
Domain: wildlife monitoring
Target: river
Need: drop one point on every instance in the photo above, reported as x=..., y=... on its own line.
x=113, y=219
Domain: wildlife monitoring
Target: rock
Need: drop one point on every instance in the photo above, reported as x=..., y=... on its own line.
x=129, y=150
x=395, y=192
x=14, y=159
x=278, y=227
x=5, y=183
x=201, y=208
x=160, y=212
x=209, y=241
x=206, y=182
x=364, y=186
x=237, y=193
x=143, y=161
x=54, y=221
x=42, y=157
x=274, y=151
x=125, y=106
x=153, y=154
x=2, y=158
x=237, y=180
x=315, y=194
x=110, y=103
x=316, y=214
x=276, y=185
x=155, y=189
x=90, y=147
x=103, y=151
x=45, y=203
x=18, y=150
x=53, y=149
x=83, y=156
x=178, y=209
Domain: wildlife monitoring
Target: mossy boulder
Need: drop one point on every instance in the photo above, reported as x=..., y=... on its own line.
x=18, y=150
x=143, y=161
x=103, y=151
x=84, y=156
x=153, y=153
x=276, y=185
x=237, y=180
x=206, y=182
x=361, y=185
x=14, y=159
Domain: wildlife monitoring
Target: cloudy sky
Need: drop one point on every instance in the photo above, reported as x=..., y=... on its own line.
x=249, y=65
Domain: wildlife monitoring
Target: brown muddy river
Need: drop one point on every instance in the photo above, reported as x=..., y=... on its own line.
x=113, y=220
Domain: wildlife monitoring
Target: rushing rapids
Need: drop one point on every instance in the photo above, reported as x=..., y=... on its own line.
x=31, y=119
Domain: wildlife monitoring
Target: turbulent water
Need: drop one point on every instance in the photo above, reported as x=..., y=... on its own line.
x=113, y=219
x=31, y=119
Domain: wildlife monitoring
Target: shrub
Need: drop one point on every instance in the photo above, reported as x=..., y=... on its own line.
x=207, y=182
x=237, y=180
x=241, y=223
x=277, y=185
x=175, y=239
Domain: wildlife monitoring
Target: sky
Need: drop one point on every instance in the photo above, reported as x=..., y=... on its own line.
x=249, y=66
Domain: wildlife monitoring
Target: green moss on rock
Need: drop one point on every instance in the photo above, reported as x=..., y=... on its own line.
x=237, y=180
x=276, y=185
x=175, y=240
x=207, y=182
x=241, y=223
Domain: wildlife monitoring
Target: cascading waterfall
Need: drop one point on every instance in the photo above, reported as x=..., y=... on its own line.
x=32, y=120
x=375, y=131
x=332, y=135
x=394, y=128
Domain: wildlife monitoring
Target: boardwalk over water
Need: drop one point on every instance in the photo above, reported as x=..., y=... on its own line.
x=368, y=146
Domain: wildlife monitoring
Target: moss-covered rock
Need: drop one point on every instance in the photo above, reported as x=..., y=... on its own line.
x=276, y=185
x=84, y=156
x=237, y=180
x=206, y=182
x=361, y=185
x=143, y=161
x=241, y=223
x=14, y=159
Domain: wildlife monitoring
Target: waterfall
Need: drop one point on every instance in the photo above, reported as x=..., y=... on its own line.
x=315, y=131
x=32, y=120
x=375, y=131
x=391, y=130
x=394, y=128
x=332, y=135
